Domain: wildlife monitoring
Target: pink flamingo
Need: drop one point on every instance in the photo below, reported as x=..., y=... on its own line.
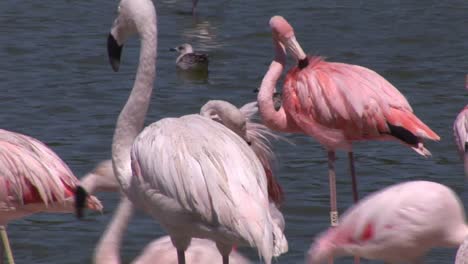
x=400, y=223
x=33, y=179
x=336, y=104
x=192, y=174
x=201, y=250
x=460, y=131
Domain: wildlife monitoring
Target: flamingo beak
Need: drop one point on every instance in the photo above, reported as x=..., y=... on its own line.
x=114, y=51
x=294, y=48
x=81, y=196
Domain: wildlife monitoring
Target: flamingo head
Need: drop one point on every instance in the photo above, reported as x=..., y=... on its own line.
x=283, y=33
x=323, y=248
x=130, y=14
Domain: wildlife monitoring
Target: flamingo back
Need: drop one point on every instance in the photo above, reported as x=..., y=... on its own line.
x=32, y=173
x=205, y=172
x=397, y=224
x=337, y=103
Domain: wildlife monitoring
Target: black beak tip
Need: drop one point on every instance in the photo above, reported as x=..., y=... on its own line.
x=114, y=51
x=255, y=90
x=172, y=49
x=80, y=201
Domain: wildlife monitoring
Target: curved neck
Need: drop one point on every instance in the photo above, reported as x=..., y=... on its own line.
x=229, y=114
x=108, y=248
x=132, y=117
x=276, y=120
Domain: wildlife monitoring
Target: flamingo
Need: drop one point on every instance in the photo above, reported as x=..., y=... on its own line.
x=192, y=174
x=33, y=179
x=337, y=104
x=460, y=131
x=400, y=223
x=101, y=179
x=201, y=250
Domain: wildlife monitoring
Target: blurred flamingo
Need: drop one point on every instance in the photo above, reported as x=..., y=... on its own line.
x=460, y=131
x=397, y=224
x=33, y=179
x=336, y=104
x=201, y=250
x=192, y=174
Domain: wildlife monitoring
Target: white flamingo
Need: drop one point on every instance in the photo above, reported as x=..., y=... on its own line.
x=193, y=175
x=201, y=250
x=400, y=223
x=33, y=179
x=102, y=179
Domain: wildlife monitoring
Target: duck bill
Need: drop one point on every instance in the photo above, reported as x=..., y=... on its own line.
x=114, y=51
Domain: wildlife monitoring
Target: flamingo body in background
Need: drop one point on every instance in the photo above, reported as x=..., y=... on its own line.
x=192, y=174
x=460, y=132
x=33, y=179
x=397, y=224
x=336, y=103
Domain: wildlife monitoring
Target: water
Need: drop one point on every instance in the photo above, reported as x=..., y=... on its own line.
x=57, y=86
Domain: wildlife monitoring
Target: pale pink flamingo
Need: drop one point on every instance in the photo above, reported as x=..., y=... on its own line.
x=200, y=250
x=336, y=104
x=460, y=131
x=192, y=174
x=33, y=179
x=107, y=251
x=400, y=223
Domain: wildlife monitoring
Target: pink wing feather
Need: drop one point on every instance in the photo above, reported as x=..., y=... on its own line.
x=30, y=172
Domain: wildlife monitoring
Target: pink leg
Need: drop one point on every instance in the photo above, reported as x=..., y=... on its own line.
x=355, y=191
x=194, y=6
x=332, y=183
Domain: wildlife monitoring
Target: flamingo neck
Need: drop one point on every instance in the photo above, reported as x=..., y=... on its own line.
x=108, y=247
x=131, y=119
x=276, y=120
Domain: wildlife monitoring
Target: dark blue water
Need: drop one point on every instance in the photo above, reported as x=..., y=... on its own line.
x=57, y=86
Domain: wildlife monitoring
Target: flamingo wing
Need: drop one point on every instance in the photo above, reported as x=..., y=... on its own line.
x=348, y=99
x=31, y=172
x=197, y=167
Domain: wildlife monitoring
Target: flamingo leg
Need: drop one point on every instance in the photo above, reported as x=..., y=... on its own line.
x=354, y=186
x=194, y=6
x=332, y=183
x=225, y=250
x=6, y=245
x=181, y=256
x=353, y=176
